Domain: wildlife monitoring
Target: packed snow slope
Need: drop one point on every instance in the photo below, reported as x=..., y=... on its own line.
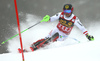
x=42, y=30
x=67, y=50
x=89, y=51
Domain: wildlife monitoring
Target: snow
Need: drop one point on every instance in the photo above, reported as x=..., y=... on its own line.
x=89, y=51
x=68, y=50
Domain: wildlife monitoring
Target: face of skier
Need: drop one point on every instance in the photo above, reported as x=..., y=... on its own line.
x=67, y=13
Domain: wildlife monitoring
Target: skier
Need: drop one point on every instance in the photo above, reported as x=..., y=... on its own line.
x=66, y=22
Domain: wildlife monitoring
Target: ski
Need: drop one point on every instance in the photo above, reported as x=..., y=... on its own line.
x=43, y=43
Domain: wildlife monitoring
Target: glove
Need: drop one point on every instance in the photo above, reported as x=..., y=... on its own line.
x=45, y=19
x=91, y=38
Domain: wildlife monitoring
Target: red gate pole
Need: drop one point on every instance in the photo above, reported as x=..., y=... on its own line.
x=19, y=28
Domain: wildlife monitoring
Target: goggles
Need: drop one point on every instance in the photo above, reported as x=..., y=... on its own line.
x=67, y=11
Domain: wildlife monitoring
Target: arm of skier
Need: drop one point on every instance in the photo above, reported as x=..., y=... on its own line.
x=47, y=18
x=55, y=17
x=83, y=29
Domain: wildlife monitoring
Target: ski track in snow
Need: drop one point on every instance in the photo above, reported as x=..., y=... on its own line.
x=41, y=30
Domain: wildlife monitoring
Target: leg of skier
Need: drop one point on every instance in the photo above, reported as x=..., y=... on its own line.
x=61, y=36
x=33, y=46
x=36, y=44
x=55, y=35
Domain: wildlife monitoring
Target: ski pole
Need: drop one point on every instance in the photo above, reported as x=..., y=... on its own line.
x=75, y=39
x=45, y=19
x=21, y=32
x=71, y=38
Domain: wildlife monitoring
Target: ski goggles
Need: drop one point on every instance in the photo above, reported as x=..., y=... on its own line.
x=67, y=11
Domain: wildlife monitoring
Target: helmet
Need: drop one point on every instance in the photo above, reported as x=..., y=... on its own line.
x=68, y=8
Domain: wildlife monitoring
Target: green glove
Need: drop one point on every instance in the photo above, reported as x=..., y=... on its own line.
x=45, y=19
x=91, y=38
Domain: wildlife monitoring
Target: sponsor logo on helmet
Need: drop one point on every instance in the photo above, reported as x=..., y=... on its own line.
x=66, y=7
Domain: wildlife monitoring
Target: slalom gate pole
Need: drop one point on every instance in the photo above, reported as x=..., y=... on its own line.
x=19, y=28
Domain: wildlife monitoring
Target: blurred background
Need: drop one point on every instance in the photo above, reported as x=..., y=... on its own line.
x=86, y=10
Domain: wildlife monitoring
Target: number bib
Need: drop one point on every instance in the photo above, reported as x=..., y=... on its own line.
x=66, y=23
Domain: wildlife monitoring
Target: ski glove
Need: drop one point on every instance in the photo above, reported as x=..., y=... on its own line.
x=91, y=38
x=45, y=18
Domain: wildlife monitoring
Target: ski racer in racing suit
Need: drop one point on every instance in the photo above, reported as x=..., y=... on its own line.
x=67, y=20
